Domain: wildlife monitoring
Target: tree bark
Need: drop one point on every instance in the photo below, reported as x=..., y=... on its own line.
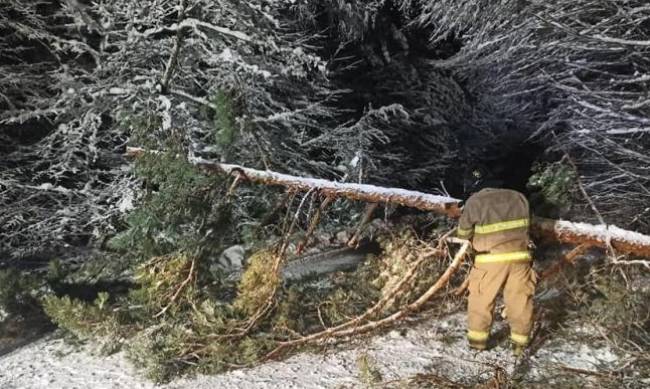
x=363, y=192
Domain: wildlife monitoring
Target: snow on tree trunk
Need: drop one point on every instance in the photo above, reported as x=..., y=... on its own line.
x=603, y=235
x=599, y=235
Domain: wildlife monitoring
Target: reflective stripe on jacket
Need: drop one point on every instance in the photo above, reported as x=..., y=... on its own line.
x=497, y=220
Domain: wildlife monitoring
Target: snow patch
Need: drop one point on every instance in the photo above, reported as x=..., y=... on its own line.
x=602, y=232
x=355, y=161
x=126, y=202
x=229, y=56
x=166, y=114
x=436, y=345
x=573, y=355
x=226, y=55
x=366, y=189
x=118, y=91
x=49, y=186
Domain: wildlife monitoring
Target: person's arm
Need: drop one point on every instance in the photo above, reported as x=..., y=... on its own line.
x=466, y=223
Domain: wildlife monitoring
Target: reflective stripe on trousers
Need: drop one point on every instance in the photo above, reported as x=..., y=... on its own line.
x=512, y=256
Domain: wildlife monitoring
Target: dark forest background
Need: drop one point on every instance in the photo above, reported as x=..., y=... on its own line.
x=186, y=271
x=412, y=94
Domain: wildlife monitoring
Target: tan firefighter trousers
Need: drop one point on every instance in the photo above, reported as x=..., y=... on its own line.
x=518, y=280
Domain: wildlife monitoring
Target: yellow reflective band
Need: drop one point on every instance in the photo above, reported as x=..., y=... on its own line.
x=463, y=232
x=479, y=336
x=501, y=226
x=512, y=256
x=517, y=338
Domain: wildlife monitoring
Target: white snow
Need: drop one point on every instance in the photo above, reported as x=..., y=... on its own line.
x=434, y=346
x=50, y=363
x=393, y=193
x=602, y=232
x=230, y=56
x=126, y=202
x=355, y=161
x=266, y=15
x=49, y=186
x=226, y=55
x=574, y=355
x=195, y=23
x=118, y=91
x=166, y=114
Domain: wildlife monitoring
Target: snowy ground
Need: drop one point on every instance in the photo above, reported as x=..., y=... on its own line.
x=423, y=347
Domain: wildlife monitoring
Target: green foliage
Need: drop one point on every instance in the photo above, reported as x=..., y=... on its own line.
x=17, y=292
x=352, y=293
x=257, y=283
x=162, y=279
x=180, y=316
x=142, y=127
x=369, y=373
x=624, y=311
x=56, y=271
x=80, y=318
x=182, y=210
x=196, y=333
x=290, y=313
x=156, y=351
x=551, y=187
x=225, y=129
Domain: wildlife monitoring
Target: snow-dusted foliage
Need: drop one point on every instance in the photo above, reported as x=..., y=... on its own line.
x=242, y=80
x=573, y=73
x=401, y=93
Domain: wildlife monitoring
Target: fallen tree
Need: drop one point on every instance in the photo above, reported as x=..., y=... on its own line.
x=604, y=236
x=369, y=193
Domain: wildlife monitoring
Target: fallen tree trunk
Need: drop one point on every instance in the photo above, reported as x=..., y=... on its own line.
x=599, y=235
x=604, y=236
x=363, y=192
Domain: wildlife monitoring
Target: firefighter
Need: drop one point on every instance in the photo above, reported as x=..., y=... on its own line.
x=496, y=222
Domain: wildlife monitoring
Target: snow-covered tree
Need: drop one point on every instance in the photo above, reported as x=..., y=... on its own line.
x=402, y=93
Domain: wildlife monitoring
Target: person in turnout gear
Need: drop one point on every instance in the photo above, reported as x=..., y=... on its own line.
x=496, y=221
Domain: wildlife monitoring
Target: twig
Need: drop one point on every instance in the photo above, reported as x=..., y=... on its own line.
x=568, y=258
x=234, y=184
x=173, y=58
x=190, y=275
x=314, y=223
x=370, y=209
x=584, y=371
x=581, y=187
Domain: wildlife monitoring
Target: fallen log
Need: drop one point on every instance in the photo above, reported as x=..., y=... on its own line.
x=363, y=192
x=596, y=235
x=602, y=235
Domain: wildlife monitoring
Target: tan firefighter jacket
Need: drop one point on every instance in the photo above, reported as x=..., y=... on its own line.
x=496, y=221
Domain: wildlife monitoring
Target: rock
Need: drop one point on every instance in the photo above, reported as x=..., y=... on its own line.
x=342, y=236
x=342, y=259
x=232, y=258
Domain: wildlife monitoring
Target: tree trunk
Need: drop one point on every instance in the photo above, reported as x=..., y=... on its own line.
x=605, y=236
